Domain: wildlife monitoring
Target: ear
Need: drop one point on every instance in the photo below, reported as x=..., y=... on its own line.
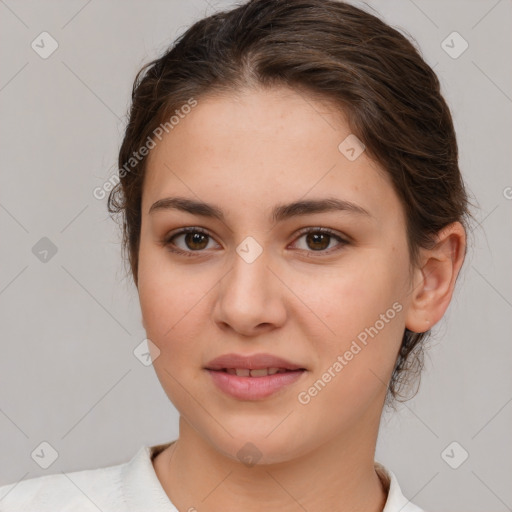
x=434, y=281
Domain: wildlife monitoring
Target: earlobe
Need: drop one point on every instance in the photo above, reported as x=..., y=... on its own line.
x=435, y=280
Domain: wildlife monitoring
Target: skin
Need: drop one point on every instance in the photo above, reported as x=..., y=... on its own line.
x=246, y=153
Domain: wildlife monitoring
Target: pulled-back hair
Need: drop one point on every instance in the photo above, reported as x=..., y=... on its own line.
x=326, y=49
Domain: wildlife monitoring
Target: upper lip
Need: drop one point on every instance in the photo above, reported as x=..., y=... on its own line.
x=252, y=362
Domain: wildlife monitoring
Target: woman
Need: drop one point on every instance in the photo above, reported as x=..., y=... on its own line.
x=295, y=222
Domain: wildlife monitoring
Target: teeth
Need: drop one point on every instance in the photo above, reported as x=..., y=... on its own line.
x=260, y=373
x=263, y=372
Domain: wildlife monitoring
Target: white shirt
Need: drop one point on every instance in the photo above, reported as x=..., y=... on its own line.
x=129, y=487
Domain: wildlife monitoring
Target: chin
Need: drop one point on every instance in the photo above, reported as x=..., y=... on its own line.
x=258, y=449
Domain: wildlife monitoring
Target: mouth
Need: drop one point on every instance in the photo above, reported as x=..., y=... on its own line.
x=253, y=377
x=254, y=365
x=260, y=372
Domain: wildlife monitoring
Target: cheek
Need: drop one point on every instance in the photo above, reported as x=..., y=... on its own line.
x=165, y=293
x=163, y=303
x=174, y=305
x=355, y=366
x=170, y=309
x=355, y=298
x=365, y=314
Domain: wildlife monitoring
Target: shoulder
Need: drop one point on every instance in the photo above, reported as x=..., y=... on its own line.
x=87, y=490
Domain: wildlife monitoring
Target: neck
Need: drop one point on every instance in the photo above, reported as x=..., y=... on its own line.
x=338, y=475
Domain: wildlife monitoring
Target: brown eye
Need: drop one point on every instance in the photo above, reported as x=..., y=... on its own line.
x=196, y=241
x=318, y=241
x=187, y=241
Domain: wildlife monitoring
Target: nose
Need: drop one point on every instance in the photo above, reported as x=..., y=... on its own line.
x=250, y=298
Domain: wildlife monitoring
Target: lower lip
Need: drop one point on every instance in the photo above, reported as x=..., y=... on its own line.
x=253, y=388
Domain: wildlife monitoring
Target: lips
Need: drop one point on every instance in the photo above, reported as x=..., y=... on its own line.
x=254, y=377
x=243, y=365
x=245, y=372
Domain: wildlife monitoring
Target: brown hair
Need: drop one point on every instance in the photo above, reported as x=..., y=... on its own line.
x=332, y=50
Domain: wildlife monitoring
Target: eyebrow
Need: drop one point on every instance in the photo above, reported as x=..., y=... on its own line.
x=279, y=213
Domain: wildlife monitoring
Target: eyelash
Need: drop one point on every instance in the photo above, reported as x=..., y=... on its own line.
x=167, y=242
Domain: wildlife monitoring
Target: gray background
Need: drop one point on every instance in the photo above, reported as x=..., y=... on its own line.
x=69, y=325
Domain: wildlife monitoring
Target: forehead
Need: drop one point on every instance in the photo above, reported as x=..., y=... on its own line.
x=260, y=147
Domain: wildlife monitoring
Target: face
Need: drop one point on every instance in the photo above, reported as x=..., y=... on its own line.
x=260, y=278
